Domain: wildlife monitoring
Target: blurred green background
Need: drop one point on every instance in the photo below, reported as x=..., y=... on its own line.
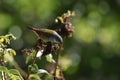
x=93, y=53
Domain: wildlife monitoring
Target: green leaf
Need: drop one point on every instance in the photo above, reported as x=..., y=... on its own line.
x=34, y=77
x=7, y=40
x=2, y=39
x=30, y=57
x=10, y=36
x=49, y=58
x=33, y=68
x=16, y=75
x=58, y=72
x=1, y=51
x=8, y=57
x=47, y=76
x=5, y=51
x=11, y=51
x=4, y=69
x=11, y=74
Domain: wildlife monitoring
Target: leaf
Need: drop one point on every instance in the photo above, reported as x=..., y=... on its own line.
x=49, y=58
x=49, y=77
x=14, y=71
x=33, y=68
x=61, y=19
x=39, y=53
x=14, y=77
x=16, y=74
x=11, y=51
x=1, y=51
x=46, y=77
x=7, y=40
x=8, y=57
x=4, y=69
x=58, y=72
x=11, y=74
x=34, y=77
x=1, y=39
x=41, y=71
x=30, y=57
x=10, y=36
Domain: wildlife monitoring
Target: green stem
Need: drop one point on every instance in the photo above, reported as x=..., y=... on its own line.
x=34, y=59
x=2, y=64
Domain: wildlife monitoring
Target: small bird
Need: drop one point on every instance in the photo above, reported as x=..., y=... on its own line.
x=47, y=35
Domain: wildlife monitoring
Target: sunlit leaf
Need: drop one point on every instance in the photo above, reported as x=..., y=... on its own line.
x=16, y=74
x=11, y=51
x=14, y=77
x=58, y=72
x=61, y=19
x=30, y=57
x=11, y=74
x=47, y=76
x=7, y=40
x=1, y=39
x=39, y=53
x=8, y=57
x=1, y=51
x=10, y=36
x=49, y=58
x=4, y=69
x=41, y=71
x=34, y=77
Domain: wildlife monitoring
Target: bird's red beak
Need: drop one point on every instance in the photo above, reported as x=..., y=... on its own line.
x=32, y=28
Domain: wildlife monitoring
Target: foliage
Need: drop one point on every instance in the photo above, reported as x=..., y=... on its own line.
x=6, y=55
x=47, y=49
x=93, y=53
x=42, y=48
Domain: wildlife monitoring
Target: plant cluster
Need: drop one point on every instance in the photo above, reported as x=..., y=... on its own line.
x=40, y=49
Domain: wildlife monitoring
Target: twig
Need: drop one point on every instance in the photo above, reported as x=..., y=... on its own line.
x=3, y=75
x=23, y=73
x=57, y=63
x=2, y=64
x=34, y=59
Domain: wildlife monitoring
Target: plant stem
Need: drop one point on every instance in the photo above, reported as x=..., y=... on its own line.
x=23, y=73
x=34, y=59
x=57, y=63
x=2, y=62
x=3, y=75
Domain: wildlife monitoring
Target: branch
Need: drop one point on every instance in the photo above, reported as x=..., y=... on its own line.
x=57, y=62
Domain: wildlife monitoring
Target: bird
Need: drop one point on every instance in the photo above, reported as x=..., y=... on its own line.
x=47, y=35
